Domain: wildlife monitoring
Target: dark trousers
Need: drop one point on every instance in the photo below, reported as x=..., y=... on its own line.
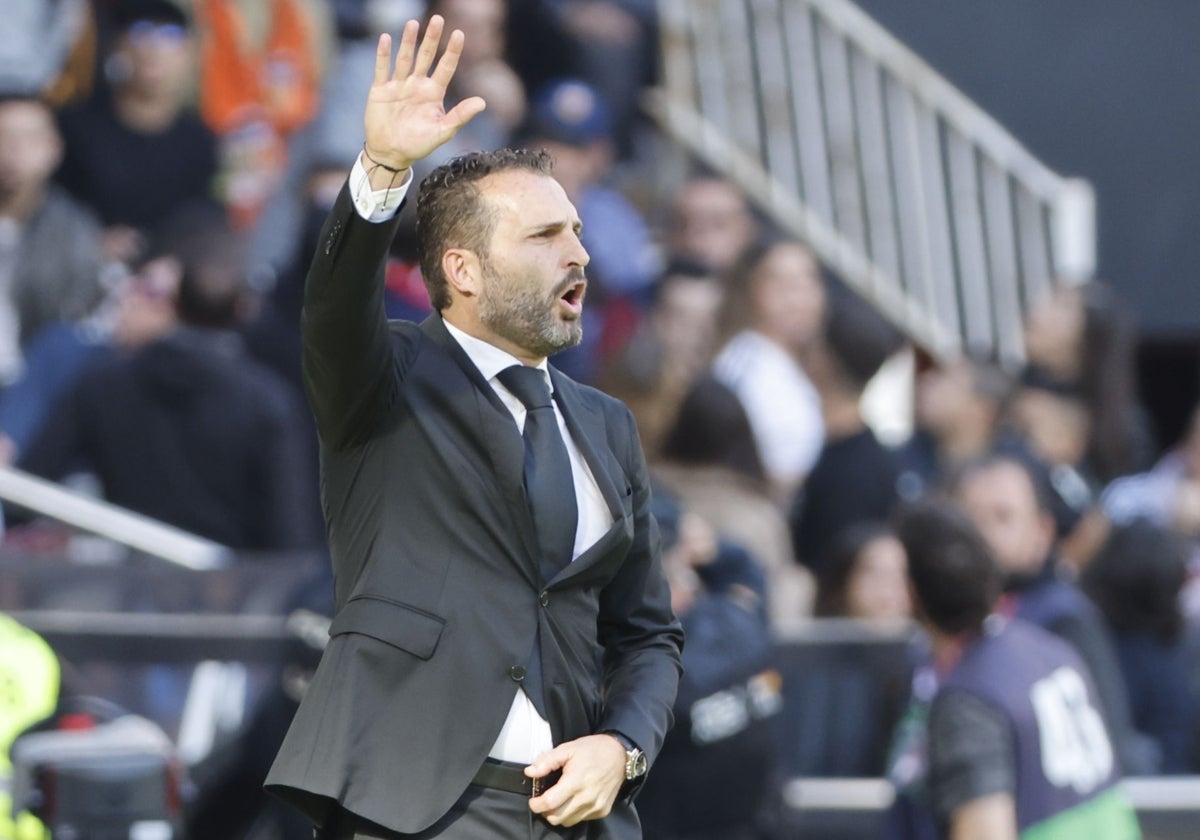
x=479, y=814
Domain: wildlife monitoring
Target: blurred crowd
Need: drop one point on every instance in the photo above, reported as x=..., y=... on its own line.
x=165, y=168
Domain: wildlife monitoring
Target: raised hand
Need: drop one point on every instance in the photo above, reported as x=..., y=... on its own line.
x=405, y=118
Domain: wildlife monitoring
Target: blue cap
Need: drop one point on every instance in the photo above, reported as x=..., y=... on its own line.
x=569, y=111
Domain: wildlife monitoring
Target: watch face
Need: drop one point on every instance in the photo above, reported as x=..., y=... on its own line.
x=636, y=765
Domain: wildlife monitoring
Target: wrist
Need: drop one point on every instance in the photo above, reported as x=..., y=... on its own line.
x=392, y=165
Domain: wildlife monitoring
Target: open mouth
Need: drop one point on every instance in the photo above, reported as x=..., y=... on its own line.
x=572, y=296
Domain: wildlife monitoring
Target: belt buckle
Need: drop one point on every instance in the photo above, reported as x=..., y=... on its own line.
x=543, y=783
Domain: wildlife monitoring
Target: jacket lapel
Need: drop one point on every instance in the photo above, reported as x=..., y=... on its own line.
x=499, y=433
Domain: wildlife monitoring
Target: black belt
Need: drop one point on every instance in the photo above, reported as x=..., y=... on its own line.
x=507, y=776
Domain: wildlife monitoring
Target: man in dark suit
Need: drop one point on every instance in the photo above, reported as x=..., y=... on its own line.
x=503, y=658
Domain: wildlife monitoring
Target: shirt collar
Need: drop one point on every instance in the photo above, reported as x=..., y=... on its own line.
x=489, y=358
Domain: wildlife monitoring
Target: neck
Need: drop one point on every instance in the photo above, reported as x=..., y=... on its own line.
x=963, y=441
x=841, y=414
x=23, y=202
x=469, y=323
x=146, y=113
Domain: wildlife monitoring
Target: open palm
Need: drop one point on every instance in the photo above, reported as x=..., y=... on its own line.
x=405, y=118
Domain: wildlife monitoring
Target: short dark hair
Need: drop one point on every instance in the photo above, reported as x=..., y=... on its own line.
x=1136, y=578
x=211, y=255
x=712, y=428
x=953, y=574
x=1011, y=455
x=859, y=340
x=450, y=213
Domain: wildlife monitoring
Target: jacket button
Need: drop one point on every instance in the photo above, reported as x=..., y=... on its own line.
x=544, y=598
x=517, y=673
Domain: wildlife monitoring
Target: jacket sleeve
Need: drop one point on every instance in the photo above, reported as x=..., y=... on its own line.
x=350, y=364
x=641, y=637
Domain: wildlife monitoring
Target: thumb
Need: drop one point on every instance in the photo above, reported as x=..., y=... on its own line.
x=548, y=762
x=465, y=111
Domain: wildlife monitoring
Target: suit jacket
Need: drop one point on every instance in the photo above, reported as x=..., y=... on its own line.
x=437, y=591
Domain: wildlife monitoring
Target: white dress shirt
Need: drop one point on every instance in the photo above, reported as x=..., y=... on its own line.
x=525, y=734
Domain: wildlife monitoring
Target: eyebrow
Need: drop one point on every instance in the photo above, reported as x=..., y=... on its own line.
x=555, y=227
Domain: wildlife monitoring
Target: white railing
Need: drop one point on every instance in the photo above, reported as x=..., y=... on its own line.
x=112, y=522
x=916, y=197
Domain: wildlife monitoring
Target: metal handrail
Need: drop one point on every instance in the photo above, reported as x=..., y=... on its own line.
x=921, y=201
x=139, y=532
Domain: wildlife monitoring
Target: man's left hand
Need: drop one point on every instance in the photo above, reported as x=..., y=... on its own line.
x=593, y=770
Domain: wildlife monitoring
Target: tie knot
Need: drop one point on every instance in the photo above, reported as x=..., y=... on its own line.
x=527, y=384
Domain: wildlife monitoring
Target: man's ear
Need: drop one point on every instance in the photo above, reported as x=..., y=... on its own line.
x=463, y=271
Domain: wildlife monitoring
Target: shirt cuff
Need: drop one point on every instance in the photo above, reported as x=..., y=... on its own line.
x=376, y=205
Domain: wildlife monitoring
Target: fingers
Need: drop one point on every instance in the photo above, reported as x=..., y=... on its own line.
x=408, y=45
x=383, y=58
x=464, y=112
x=429, y=46
x=547, y=762
x=448, y=63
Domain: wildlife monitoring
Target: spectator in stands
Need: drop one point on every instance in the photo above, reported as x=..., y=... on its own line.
x=139, y=309
x=1136, y=580
x=1168, y=495
x=957, y=409
x=711, y=462
x=712, y=223
x=140, y=152
x=570, y=120
x=616, y=52
x=1009, y=503
x=715, y=768
x=669, y=350
x=775, y=312
x=1081, y=338
x=855, y=478
x=188, y=429
x=865, y=578
x=1015, y=745
x=49, y=245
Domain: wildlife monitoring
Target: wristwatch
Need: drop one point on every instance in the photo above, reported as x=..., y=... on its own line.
x=635, y=760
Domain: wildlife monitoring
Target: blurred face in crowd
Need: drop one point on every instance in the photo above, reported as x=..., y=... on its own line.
x=1002, y=502
x=877, y=589
x=944, y=396
x=1056, y=426
x=788, y=296
x=156, y=60
x=146, y=309
x=30, y=148
x=711, y=223
x=530, y=299
x=685, y=320
x=1054, y=330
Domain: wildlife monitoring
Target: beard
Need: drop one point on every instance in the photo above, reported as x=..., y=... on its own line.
x=521, y=314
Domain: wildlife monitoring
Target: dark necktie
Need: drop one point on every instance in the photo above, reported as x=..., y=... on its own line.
x=548, y=482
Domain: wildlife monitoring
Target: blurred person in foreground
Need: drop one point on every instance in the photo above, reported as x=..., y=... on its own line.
x=187, y=428
x=1008, y=500
x=715, y=771
x=855, y=478
x=776, y=308
x=1014, y=745
x=503, y=659
x=50, y=255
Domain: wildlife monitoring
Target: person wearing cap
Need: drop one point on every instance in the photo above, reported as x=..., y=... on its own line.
x=503, y=658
